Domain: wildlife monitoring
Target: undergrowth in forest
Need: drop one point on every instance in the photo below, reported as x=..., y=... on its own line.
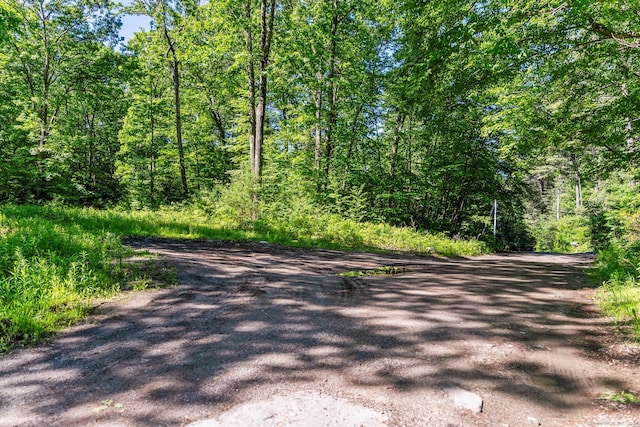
x=617, y=232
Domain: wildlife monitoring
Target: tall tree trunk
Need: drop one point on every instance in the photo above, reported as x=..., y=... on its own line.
x=578, y=189
x=152, y=149
x=267, y=14
x=394, y=145
x=176, y=94
x=317, y=99
x=91, y=176
x=577, y=179
x=175, y=71
x=352, y=140
x=257, y=107
x=46, y=79
x=410, y=153
x=251, y=77
x=260, y=118
x=628, y=129
x=217, y=120
x=331, y=92
x=44, y=123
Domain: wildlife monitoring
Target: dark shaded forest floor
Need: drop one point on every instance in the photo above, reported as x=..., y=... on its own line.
x=250, y=322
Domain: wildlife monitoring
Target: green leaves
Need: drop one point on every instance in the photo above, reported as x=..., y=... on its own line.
x=62, y=85
x=9, y=21
x=416, y=113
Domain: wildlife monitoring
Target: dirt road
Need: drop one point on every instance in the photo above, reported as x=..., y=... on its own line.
x=255, y=324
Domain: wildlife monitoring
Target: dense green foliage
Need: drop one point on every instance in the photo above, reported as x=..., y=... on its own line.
x=370, y=107
x=263, y=113
x=50, y=266
x=617, y=231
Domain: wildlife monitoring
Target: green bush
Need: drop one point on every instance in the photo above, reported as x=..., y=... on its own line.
x=618, y=263
x=619, y=297
x=50, y=267
x=570, y=234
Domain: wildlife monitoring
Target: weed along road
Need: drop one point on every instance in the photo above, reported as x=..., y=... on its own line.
x=261, y=335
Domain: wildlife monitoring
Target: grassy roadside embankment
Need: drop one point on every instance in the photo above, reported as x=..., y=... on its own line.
x=55, y=261
x=618, y=267
x=618, y=264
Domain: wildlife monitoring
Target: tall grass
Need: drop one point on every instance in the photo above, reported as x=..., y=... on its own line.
x=619, y=296
x=50, y=268
x=54, y=261
x=618, y=264
x=332, y=231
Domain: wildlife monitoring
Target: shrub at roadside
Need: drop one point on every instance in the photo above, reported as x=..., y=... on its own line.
x=569, y=234
x=618, y=265
x=50, y=268
x=619, y=296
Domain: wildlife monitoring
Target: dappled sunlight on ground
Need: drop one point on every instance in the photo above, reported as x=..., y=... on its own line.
x=250, y=322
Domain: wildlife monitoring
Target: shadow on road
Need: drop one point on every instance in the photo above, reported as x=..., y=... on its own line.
x=253, y=320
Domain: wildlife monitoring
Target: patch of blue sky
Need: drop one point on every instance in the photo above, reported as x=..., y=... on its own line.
x=132, y=24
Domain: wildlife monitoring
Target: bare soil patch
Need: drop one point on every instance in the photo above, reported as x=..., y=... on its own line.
x=252, y=323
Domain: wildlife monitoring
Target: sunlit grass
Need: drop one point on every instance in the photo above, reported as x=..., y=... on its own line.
x=622, y=397
x=620, y=299
x=382, y=271
x=331, y=231
x=50, y=269
x=619, y=296
x=54, y=261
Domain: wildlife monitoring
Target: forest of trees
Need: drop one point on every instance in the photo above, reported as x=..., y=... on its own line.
x=410, y=112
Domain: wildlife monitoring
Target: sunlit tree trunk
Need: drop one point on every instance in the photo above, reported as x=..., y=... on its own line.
x=152, y=149
x=577, y=180
x=578, y=190
x=317, y=99
x=251, y=80
x=628, y=129
x=258, y=89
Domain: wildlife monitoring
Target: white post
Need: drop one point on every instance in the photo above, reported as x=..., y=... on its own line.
x=558, y=205
x=495, y=216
